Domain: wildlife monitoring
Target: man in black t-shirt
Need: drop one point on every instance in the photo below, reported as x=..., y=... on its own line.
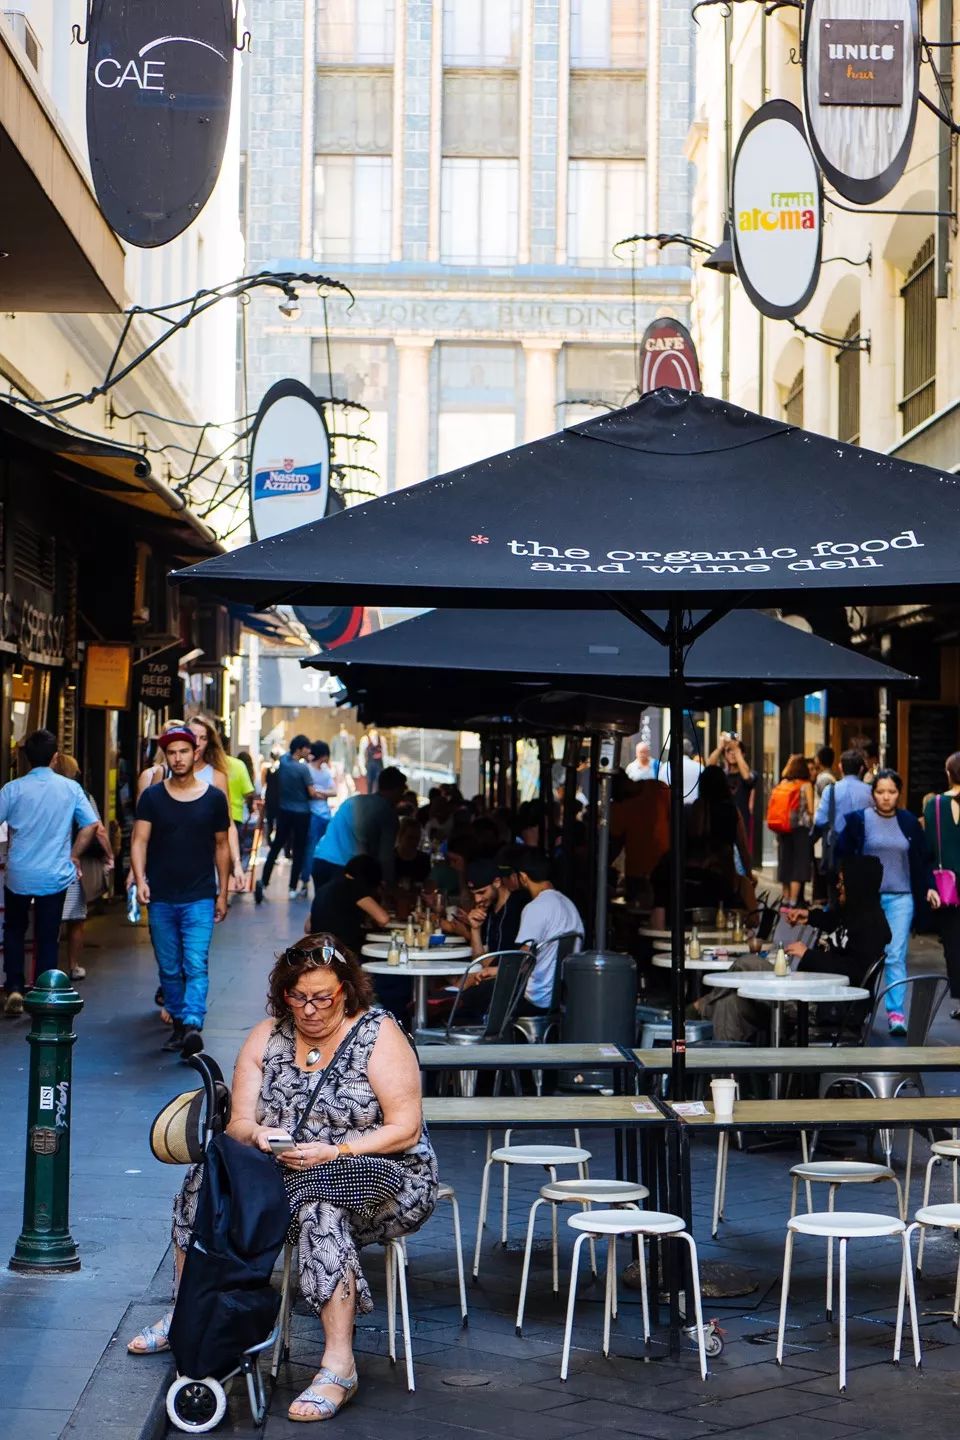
x=179, y=851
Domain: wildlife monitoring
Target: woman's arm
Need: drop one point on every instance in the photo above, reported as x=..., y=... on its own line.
x=247, y=1079
x=395, y=1078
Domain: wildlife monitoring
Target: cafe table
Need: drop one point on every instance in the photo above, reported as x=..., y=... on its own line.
x=731, y=947
x=449, y=950
x=421, y=972
x=781, y=990
x=764, y=1059
x=711, y=935
x=734, y=979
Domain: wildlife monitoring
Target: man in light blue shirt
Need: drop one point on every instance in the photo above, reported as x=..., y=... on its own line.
x=848, y=794
x=50, y=822
x=363, y=825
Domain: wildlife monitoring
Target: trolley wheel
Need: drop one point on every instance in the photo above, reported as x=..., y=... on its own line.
x=713, y=1343
x=196, y=1405
x=258, y=892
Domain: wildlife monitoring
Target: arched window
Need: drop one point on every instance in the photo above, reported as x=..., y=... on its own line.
x=848, y=386
x=919, y=339
x=793, y=401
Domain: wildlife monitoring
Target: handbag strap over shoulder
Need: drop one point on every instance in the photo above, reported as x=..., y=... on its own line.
x=939, y=835
x=314, y=1093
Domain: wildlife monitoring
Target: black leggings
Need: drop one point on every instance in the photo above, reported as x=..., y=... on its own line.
x=948, y=919
x=46, y=927
x=292, y=826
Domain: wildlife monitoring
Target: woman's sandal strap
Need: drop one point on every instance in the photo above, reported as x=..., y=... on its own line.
x=155, y=1338
x=327, y=1377
x=328, y=1408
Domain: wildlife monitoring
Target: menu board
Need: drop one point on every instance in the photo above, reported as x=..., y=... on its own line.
x=933, y=733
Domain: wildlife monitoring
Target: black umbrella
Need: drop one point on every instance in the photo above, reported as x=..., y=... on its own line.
x=677, y=500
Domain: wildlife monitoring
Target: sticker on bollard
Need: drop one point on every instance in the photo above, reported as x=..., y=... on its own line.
x=45, y=1242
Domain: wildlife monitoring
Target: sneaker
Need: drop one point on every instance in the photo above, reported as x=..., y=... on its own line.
x=896, y=1024
x=292, y=894
x=13, y=1005
x=175, y=1039
x=78, y=973
x=304, y=892
x=191, y=1040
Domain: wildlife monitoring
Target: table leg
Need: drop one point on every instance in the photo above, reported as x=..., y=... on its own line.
x=775, y=1027
x=803, y=1023
x=420, y=1002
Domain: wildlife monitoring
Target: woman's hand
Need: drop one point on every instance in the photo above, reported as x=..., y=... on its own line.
x=933, y=899
x=797, y=915
x=260, y=1136
x=796, y=947
x=301, y=1157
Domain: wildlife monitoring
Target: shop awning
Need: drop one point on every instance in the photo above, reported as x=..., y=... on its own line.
x=112, y=472
x=60, y=255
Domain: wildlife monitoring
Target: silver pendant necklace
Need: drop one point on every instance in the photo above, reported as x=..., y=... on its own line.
x=313, y=1056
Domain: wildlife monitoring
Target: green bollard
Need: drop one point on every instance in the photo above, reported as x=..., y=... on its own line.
x=45, y=1243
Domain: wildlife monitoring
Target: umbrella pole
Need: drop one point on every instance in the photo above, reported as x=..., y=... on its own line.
x=604, y=780
x=678, y=1080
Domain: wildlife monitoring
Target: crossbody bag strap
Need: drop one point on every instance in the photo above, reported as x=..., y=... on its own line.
x=312, y=1099
x=939, y=836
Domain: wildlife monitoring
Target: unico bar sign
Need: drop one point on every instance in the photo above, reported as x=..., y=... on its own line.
x=668, y=356
x=777, y=211
x=289, y=461
x=159, y=82
x=861, y=82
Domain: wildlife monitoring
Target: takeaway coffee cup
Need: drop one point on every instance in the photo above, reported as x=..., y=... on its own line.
x=724, y=1093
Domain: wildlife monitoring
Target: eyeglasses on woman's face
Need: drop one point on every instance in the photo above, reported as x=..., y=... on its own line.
x=323, y=1001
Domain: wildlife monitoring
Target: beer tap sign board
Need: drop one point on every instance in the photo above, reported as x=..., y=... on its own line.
x=861, y=84
x=289, y=461
x=777, y=211
x=668, y=357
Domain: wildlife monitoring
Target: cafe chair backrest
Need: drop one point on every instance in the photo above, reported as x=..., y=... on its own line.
x=925, y=994
x=566, y=944
x=513, y=971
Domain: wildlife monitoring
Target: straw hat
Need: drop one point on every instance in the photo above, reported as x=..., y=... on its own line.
x=176, y=1135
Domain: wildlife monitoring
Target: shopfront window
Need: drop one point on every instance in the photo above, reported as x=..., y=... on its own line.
x=477, y=403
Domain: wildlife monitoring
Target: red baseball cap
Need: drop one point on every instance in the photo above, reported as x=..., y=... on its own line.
x=180, y=733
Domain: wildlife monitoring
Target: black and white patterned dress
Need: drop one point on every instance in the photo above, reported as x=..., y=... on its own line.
x=331, y=1236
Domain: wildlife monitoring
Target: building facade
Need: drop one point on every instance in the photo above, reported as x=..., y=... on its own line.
x=888, y=289
x=466, y=167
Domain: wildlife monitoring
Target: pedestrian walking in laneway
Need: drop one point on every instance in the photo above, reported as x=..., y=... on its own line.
x=941, y=831
x=363, y=825
x=323, y=781
x=50, y=823
x=790, y=813
x=95, y=867
x=896, y=838
x=295, y=791
x=180, y=856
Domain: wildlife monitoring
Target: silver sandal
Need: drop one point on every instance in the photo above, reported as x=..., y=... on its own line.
x=326, y=1408
x=154, y=1338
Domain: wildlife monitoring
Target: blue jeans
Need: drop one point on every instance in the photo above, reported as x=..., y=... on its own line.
x=181, y=936
x=899, y=912
x=318, y=828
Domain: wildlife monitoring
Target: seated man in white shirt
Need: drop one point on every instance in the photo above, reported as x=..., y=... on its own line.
x=546, y=917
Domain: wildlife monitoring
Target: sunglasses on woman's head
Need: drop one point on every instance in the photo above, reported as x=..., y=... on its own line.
x=313, y=959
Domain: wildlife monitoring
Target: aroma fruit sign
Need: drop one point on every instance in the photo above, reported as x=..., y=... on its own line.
x=777, y=211
x=289, y=461
x=159, y=83
x=861, y=77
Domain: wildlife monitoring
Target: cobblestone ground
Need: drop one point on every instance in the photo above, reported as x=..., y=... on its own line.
x=55, y=1333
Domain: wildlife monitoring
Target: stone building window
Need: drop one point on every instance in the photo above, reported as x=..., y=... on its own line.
x=919, y=339
x=608, y=34
x=481, y=32
x=477, y=402
x=355, y=32
x=848, y=387
x=606, y=201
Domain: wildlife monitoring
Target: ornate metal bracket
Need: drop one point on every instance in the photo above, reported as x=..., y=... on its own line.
x=79, y=35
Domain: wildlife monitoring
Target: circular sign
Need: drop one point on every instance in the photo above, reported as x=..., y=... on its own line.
x=159, y=85
x=861, y=83
x=668, y=357
x=289, y=461
x=777, y=211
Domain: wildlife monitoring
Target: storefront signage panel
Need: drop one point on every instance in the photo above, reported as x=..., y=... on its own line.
x=156, y=679
x=106, y=676
x=777, y=211
x=668, y=356
x=27, y=630
x=289, y=461
x=159, y=85
x=861, y=80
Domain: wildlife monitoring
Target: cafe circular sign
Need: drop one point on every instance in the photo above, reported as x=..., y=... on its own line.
x=668, y=356
x=861, y=86
x=777, y=208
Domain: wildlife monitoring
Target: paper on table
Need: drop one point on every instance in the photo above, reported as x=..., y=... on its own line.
x=689, y=1107
x=612, y=1051
x=645, y=1107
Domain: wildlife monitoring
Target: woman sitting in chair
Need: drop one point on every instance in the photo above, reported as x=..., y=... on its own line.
x=855, y=929
x=368, y=1104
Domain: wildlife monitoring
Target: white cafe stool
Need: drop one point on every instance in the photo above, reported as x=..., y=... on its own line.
x=720, y=1180
x=940, y=1150
x=942, y=1217
x=575, y=1192
x=549, y=1156
x=641, y=1223
x=835, y=1173
x=847, y=1225
x=447, y=1192
x=582, y=1169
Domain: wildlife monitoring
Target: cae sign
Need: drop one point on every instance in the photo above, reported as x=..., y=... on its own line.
x=668, y=356
x=159, y=83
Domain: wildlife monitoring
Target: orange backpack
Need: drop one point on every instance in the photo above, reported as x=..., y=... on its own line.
x=783, y=807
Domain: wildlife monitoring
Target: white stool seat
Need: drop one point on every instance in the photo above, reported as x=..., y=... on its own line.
x=948, y=1148
x=626, y=1222
x=445, y=1192
x=618, y=1192
x=841, y=1172
x=540, y=1155
x=846, y=1224
x=946, y=1215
